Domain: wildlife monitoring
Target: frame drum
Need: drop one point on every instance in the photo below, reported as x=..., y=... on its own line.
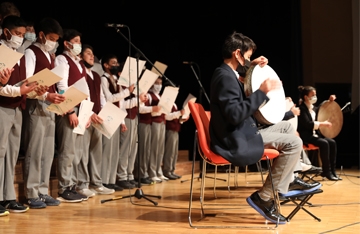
x=330, y=111
x=273, y=111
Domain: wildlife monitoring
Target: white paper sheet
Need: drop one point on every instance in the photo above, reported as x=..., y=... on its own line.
x=112, y=117
x=8, y=57
x=160, y=66
x=85, y=112
x=44, y=77
x=190, y=98
x=168, y=98
x=130, y=73
x=72, y=97
x=146, y=81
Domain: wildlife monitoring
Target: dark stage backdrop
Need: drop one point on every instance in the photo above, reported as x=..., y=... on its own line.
x=175, y=31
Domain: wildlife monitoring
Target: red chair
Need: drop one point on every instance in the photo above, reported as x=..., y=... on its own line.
x=202, y=142
x=307, y=148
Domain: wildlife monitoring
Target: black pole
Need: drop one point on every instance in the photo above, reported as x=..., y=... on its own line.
x=138, y=193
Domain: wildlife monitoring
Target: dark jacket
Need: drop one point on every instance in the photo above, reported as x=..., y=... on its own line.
x=233, y=130
x=305, y=123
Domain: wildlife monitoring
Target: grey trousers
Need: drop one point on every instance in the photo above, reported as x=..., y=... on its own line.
x=39, y=142
x=157, y=149
x=143, y=156
x=89, y=168
x=281, y=136
x=171, y=151
x=110, y=157
x=128, y=150
x=69, y=146
x=10, y=128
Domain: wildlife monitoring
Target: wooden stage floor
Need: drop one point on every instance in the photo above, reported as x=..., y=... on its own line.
x=338, y=207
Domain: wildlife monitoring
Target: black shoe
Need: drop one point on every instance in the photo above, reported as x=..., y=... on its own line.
x=125, y=184
x=170, y=176
x=3, y=211
x=70, y=195
x=177, y=176
x=266, y=208
x=113, y=186
x=335, y=175
x=146, y=181
x=329, y=176
x=14, y=206
x=133, y=182
x=299, y=187
x=313, y=170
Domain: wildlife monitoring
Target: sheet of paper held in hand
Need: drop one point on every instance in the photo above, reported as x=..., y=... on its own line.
x=190, y=98
x=45, y=77
x=129, y=72
x=85, y=112
x=112, y=117
x=73, y=96
x=146, y=81
x=168, y=98
x=160, y=66
x=8, y=57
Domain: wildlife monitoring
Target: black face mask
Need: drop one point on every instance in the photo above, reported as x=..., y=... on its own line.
x=114, y=70
x=87, y=65
x=243, y=69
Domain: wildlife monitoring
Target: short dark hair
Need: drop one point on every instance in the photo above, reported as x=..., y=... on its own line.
x=49, y=25
x=8, y=8
x=237, y=41
x=106, y=59
x=84, y=47
x=70, y=34
x=13, y=21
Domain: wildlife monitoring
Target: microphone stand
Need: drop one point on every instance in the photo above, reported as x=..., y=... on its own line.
x=201, y=91
x=138, y=193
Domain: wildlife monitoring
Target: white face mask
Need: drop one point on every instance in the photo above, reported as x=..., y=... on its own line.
x=30, y=36
x=49, y=45
x=313, y=99
x=53, y=51
x=76, y=50
x=157, y=88
x=15, y=41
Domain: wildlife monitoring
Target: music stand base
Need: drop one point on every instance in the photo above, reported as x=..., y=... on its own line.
x=139, y=194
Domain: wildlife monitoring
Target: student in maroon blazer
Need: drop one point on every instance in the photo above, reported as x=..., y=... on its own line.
x=38, y=136
x=12, y=102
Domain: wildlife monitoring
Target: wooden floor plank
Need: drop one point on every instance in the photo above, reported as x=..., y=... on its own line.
x=337, y=207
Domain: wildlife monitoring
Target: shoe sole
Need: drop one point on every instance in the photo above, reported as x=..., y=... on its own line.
x=37, y=207
x=53, y=204
x=69, y=201
x=6, y=213
x=18, y=211
x=252, y=204
x=301, y=192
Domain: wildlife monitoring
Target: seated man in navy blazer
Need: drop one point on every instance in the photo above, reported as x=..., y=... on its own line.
x=234, y=133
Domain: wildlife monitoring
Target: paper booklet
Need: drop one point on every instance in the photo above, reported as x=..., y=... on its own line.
x=146, y=81
x=8, y=57
x=160, y=66
x=73, y=96
x=129, y=74
x=112, y=117
x=167, y=99
x=85, y=112
x=190, y=98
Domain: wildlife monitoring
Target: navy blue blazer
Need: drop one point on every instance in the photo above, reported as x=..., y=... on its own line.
x=233, y=130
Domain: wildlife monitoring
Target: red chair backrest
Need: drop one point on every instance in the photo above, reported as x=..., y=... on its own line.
x=202, y=121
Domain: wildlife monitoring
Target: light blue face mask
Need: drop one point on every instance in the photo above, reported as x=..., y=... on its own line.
x=30, y=36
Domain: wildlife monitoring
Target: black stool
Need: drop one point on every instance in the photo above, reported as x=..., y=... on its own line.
x=303, y=198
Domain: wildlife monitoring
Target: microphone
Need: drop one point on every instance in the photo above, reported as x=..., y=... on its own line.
x=188, y=62
x=115, y=26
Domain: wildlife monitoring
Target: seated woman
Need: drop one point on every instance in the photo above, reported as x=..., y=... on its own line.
x=308, y=130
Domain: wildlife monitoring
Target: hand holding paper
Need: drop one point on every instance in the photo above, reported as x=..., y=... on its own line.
x=190, y=98
x=129, y=72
